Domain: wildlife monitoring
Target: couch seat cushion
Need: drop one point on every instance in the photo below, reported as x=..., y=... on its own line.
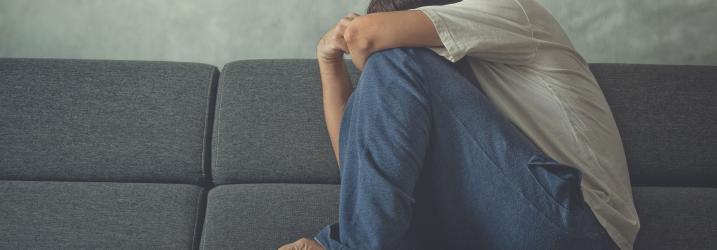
x=266, y=216
x=676, y=217
x=72, y=215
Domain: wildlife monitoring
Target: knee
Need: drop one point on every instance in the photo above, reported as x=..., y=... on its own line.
x=387, y=68
x=417, y=63
x=401, y=58
x=398, y=64
x=392, y=73
x=393, y=55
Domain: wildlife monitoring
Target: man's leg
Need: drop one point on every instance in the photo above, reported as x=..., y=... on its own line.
x=426, y=158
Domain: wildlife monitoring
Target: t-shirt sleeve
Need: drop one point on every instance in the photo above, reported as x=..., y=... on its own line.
x=492, y=30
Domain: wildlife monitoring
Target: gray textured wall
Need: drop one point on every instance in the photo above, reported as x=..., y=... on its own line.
x=220, y=31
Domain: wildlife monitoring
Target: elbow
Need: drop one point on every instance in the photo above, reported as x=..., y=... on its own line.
x=357, y=39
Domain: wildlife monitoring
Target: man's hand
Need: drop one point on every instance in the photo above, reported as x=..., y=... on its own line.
x=332, y=45
x=336, y=86
x=303, y=244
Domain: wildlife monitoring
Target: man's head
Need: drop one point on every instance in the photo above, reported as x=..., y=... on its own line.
x=396, y=5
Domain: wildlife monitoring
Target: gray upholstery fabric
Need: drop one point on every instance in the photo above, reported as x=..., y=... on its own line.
x=666, y=115
x=266, y=216
x=97, y=215
x=676, y=218
x=270, y=125
x=124, y=121
x=104, y=120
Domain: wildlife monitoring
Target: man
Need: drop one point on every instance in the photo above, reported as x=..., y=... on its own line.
x=532, y=159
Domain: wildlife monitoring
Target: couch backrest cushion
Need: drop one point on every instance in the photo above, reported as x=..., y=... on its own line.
x=270, y=124
x=667, y=116
x=92, y=120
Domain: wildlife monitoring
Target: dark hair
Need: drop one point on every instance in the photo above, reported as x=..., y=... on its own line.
x=396, y=5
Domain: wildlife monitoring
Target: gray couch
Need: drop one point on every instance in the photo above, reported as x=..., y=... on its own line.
x=145, y=155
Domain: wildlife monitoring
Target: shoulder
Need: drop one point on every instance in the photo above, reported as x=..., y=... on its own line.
x=487, y=11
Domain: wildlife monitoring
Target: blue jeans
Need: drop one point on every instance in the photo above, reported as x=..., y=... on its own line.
x=428, y=162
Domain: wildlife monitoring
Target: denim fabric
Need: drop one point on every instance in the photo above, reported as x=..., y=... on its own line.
x=428, y=162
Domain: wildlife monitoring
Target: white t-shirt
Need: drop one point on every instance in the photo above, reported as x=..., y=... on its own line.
x=527, y=66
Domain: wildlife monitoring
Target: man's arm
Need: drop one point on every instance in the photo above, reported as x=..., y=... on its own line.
x=335, y=83
x=336, y=89
x=378, y=31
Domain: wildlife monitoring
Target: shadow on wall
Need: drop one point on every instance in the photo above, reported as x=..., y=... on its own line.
x=220, y=31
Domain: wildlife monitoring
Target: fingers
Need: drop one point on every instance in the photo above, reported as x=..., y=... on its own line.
x=344, y=21
x=337, y=39
x=341, y=44
x=347, y=19
x=332, y=44
x=338, y=34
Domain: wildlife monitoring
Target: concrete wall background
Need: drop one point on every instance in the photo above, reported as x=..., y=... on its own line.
x=220, y=31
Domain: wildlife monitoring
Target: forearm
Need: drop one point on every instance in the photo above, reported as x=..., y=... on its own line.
x=378, y=31
x=336, y=88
